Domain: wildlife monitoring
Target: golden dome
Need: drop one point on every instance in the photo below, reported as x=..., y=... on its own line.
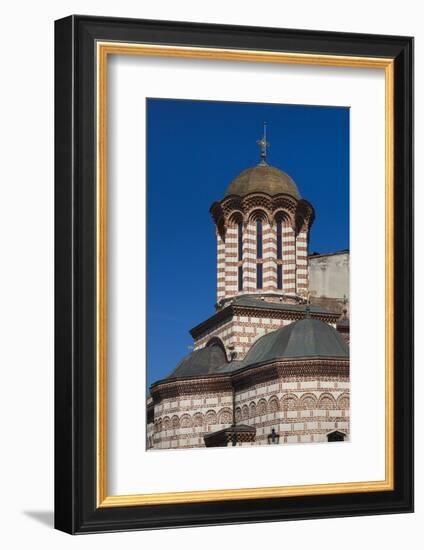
x=263, y=179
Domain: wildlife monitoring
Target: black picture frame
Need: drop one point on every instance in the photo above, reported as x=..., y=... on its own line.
x=76, y=510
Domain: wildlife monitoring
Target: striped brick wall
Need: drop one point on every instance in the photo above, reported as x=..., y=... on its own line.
x=269, y=257
x=241, y=332
x=220, y=262
x=150, y=440
x=293, y=214
x=231, y=239
x=300, y=411
x=246, y=330
x=249, y=258
x=294, y=261
x=183, y=421
x=289, y=259
x=223, y=331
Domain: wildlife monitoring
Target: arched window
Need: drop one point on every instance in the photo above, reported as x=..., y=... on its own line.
x=289, y=402
x=186, y=421
x=198, y=419
x=279, y=240
x=279, y=276
x=279, y=254
x=308, y=401
x=343, y=401
x=240, y=255
x=240, y=241
x=326, y=402
x=259, y=269
x=259, y=278
x=262, y=407
x=273, y=404
x=211, y=418
x=259, y=239
x=175, y=421
x=225, y=416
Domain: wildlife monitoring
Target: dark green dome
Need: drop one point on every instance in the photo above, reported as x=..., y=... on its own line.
x=304, y=338
x=263, y=178
x=202, y=361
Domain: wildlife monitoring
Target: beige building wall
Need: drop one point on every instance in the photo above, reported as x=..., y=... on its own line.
x=183, y=421
x=299, y=410
x=240, y=333
x=329, y=275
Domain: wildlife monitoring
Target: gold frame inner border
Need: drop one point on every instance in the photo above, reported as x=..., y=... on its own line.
x=104, y=49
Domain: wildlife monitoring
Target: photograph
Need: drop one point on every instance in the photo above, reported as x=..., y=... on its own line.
x=233, y=269
x=209, y=299
x=247, y=274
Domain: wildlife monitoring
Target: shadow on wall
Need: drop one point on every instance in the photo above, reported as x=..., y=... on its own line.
x=46, y=517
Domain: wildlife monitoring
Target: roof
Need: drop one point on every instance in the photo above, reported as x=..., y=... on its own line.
x=247, y=300
x=320, y=255
x=253, y=302
x=304, y=338
x=240, y=433
x=263, y=178
x=202, y=361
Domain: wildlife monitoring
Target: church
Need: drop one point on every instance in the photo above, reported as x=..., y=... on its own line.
x=271, y=365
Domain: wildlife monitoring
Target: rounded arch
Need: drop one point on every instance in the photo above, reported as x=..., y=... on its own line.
x=166, y=423
x=308, y=401
x=252, y=409
x=185, y=421
x=289, y=402
x=343, y=401
x=238, y=414
x=220, y=229
x=273, y=404
x=235, y=218
x=225, y=416
x=283, y=216
x=245, y=412
x=175, y=422
x=326, y=401
x=211, y=418
x=216, y=341
x=261, y=407
x=304, y=216
x=258, y=214
x=198, y=419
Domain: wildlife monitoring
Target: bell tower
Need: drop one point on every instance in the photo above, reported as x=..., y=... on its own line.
x=262, y=230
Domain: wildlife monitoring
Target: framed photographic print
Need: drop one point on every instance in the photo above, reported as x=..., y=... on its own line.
x=233, y=274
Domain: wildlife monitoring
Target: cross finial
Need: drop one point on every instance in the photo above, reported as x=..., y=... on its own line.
x=344, y=310
x=264, y=145
x=308, y=305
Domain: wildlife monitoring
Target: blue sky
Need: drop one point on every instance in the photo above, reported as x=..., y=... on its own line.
x=194, y=150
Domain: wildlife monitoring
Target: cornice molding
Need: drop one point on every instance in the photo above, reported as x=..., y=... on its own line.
x=258, y=312
x=252, y=375
x=299, y=212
